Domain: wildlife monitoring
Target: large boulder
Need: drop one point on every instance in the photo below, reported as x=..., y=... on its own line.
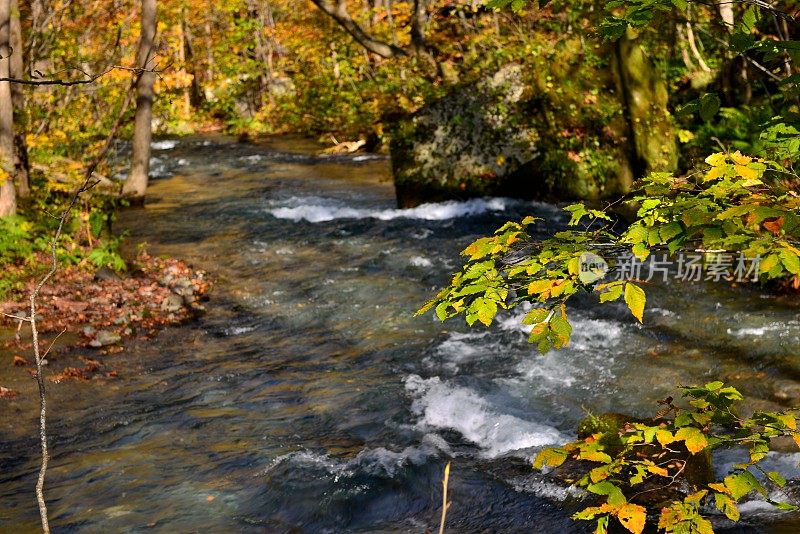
x=557, y=127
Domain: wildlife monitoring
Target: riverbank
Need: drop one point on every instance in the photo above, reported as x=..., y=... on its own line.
x=87, y=315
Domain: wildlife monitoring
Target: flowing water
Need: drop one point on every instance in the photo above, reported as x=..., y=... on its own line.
x=308, y=399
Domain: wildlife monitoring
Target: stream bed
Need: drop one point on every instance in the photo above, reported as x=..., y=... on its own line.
x=309, y=399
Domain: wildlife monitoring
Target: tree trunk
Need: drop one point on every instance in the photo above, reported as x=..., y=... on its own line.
x=21, y=168
x=262, y=48
x=196, y=96
x=645, y=98
x=8, y=193
x=136, y=185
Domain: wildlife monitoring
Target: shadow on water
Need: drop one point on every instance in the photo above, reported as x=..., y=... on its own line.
x=308, y=399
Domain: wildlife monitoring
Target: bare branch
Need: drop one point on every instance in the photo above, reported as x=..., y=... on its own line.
x=338, y=12
x=66, y=83
x=39, y=357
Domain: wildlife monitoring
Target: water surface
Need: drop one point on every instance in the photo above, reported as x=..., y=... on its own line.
x=308, y=399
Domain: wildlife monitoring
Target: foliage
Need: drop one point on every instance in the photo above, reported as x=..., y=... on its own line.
x=15, y=238
x=730, y=206
x=629, y=464
x=106, y=254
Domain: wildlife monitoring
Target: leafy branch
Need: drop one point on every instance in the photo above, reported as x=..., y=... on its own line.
x=657, y=457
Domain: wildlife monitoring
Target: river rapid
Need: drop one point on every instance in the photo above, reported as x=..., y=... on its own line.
x=309, y=399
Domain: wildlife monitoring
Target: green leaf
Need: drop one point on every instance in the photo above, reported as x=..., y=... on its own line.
x=776, y=478
x=612, y=293
x=791, y=262
x=605, y=487
x=562, y=328
x=635, y=299
x=536, y=316
x=709, y=106
x=727, y=506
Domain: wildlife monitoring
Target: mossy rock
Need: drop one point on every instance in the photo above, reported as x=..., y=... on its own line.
x=542, y=130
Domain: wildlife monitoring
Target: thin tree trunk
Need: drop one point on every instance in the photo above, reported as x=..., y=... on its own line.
x=21, y=168
x=136, y=185
x=262, y=48
x=726, y=12
x=182, y=57
x=196, y=96
x=8, y=193
x=693, y=47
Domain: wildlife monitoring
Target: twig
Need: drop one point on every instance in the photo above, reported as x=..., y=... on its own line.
x=52, y=343
x=445, y=504
x=67, y=83
x=15, y=317
x=84, y=186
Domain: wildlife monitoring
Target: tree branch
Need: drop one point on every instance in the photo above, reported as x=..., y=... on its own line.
x=338, y=12
x=67, y=83
x=85, y=185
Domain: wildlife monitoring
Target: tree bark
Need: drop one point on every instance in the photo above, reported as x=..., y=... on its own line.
x=136, y=185
x=8, y=193
x=263, y=49
x=21, y=167
x=645, y=98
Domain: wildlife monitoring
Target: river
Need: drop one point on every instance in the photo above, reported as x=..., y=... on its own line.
x=308, y=399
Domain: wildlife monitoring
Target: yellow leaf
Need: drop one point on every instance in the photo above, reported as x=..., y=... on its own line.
x=632, y=517
x=746, y=172
x=540, y=286
x=595, y=456
x=550, y=458
x=715, y=160
x=740, y=159
x=796, y=438
x=658, y=470
x=715, y=173
x=599, y=473
x=635, y=299
x=788, y=420
x=718, y=486
x=695, y=440
x=664, y=437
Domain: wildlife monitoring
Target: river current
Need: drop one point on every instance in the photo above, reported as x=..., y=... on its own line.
x=309, y=399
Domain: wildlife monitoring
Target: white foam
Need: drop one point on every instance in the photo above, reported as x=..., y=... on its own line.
x=547, y=490
x=377, y=462
x=457, y=349
x=239, y=330
x=436, y=211
x=419, y=261
x=442, y=405
x=756, y=331
x=166, y=144
x=158, y=168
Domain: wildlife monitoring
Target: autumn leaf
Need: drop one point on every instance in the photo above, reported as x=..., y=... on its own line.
x=635, y=299
x=632, y=517
x=695, y=440
x=740, y=159
x=715, y=160
x=746, y=172
x=774, y=225
x=550, y=458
